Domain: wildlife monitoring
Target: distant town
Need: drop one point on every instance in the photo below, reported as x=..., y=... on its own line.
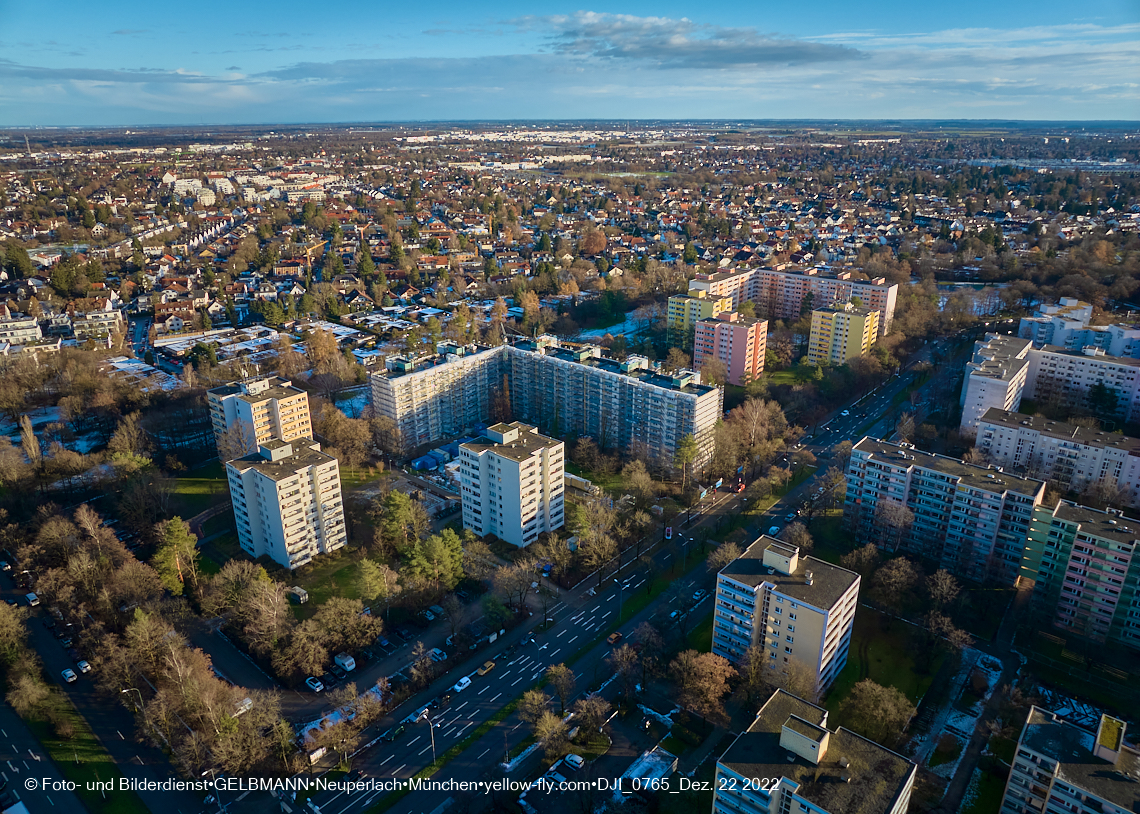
x=686, y=467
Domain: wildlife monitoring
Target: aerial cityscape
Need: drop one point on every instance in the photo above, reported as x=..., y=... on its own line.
x=555, y=413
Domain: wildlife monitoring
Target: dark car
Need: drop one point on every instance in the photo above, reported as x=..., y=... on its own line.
x=394, y=732
x=365, y=655
x=74, y=654
x=404, y=634
x=441, y=701
x=383, y=642
x=339, y=672
x=329, y=680
x=49, y=623
x=65, y=641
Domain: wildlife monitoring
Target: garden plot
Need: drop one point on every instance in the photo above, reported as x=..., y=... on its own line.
x=962, y=716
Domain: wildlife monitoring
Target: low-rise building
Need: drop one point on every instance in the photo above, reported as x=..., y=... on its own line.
x=789, y=760
x=287, y=502
x=512, y=483
x=1084, y=565
x=797, y=608
x=971, y=520
x=1060, y=767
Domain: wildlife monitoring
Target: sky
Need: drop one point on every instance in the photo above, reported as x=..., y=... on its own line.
x=256, y=62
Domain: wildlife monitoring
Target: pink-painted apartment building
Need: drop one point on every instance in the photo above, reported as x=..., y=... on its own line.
x=740, y=342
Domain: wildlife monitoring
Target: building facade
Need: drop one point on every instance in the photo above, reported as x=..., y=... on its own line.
x=995, y=377
x=287, y=502
x=512, y=483
x=797, y=608
x=788, y=760
x=740, y=342
x=1073, y=457
x=1066, y=325
x=684, y=312
x=572, y=390
x=19, y=329
x=1060, y=767
x=1072, y=379
x=789, y=294
x=840, y=333
x=1084, y=565
x=264, y=409
x=972, y=520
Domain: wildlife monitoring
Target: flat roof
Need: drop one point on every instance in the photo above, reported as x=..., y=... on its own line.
x=1060, y=429
x=303, y=457
x=877, y=775
x=1123, y=361
x=977, y=477
x=829, y=582
x=529, y=441
x=1071, y=747
x=1100, y=524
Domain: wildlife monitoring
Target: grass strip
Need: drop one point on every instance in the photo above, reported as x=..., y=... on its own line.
x=83, y=760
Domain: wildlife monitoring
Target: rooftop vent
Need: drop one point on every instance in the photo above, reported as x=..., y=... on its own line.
x=1112, y=522
x=808, y=577
x=771, y=570
x=845, y=763
x=791, y=757
x=845, y=777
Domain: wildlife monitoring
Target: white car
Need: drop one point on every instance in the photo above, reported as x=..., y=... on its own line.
x=314, y=684
x=575, y=762
x=462, y=684
x=69, y=676
x=845, y=413
x=83, y=666
x=438, y=655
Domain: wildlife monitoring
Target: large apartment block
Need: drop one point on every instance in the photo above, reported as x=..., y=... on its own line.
x=1060, y=767
x=840, y=333
x=1066, y=325
x=995, y=377
x=740, y=342
x=265, y=409
x=1085, y=568
x=685, y=311
x=287, y=502
x=512, y=483
x=790, y=762
x=972, y=520
x=1072, y=456
x=1068, y=377
x=783, y=294
x=797, y=608
x=564, y=390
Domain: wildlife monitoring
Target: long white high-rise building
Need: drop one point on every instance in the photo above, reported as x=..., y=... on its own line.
x=287, y=502
x=512, y=483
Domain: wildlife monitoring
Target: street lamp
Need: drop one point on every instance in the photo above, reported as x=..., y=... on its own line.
x=431, y=731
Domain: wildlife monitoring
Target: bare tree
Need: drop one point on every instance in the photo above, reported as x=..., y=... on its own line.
x=623, y=662
x=942, y=589
x=797, y=534
x=863, y=560
x=893, y=520
x=533, y=705
x=561, y=680
x=723, y=555
x=552, y=734
x=877, y=712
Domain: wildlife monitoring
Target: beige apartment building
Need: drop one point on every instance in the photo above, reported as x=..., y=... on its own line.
x=287, y=502
x=264, y=408
x=796, y=608
x=512, y=483
x=790, y=762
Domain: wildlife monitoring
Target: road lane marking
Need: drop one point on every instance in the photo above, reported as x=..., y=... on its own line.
x=517, y=680
x=493, y=699
x=485, y=751
x=397, y=770
x=385, y=760
x=595, y=608
x=483, y=690
x=571, y=641
x=413, y=740
x=461, y=706
x=562, y=633
x=426, y=748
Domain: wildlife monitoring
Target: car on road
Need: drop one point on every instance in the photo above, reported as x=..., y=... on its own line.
x=394, y=732
x=32, y=600
x=789, y=517
x=773, y=531
x=83, y=666
x=676, y=616
x=442, y=701
x=613, y=638
x=527, y=639
x=487, y=667
x=438, y=655
x=462, y=684
x=845, y=413
x=69, y=676
x=699, y=596
x=314, y=684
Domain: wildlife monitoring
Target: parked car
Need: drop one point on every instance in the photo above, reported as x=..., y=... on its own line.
x=330, y=680
x=438, y=655
x=462, y=684
x=32, y=599
x=83, y=666
x=404, y=634
x=314, y=684
x=339, y=672
x=773, y=531
x=789, y=517
x=69, y=676
x=575, y=762
x=487, y=667
x=394, y=732
x=845, y=413
x=699, y=596
x=442, y=701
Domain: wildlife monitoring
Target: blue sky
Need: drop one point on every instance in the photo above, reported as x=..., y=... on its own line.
x=134, y=63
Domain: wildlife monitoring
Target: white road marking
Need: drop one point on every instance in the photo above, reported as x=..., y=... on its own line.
x=517, y=680
x=485, y=751
x=426, y=748
x=397, y=770
x=385, y=760
x=571, y=641
x=493, y=699
x=413, y=740
x=595, y=608
x=483, y=690
x=559, y=636
x=460, y=732
x=461, y=706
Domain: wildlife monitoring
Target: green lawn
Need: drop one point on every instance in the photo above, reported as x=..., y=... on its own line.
x=325, y=578
x=611, y=483
x=700, y=638
x=199, y=490
x=83, y=760
x=881, y=653
x=987, y=800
